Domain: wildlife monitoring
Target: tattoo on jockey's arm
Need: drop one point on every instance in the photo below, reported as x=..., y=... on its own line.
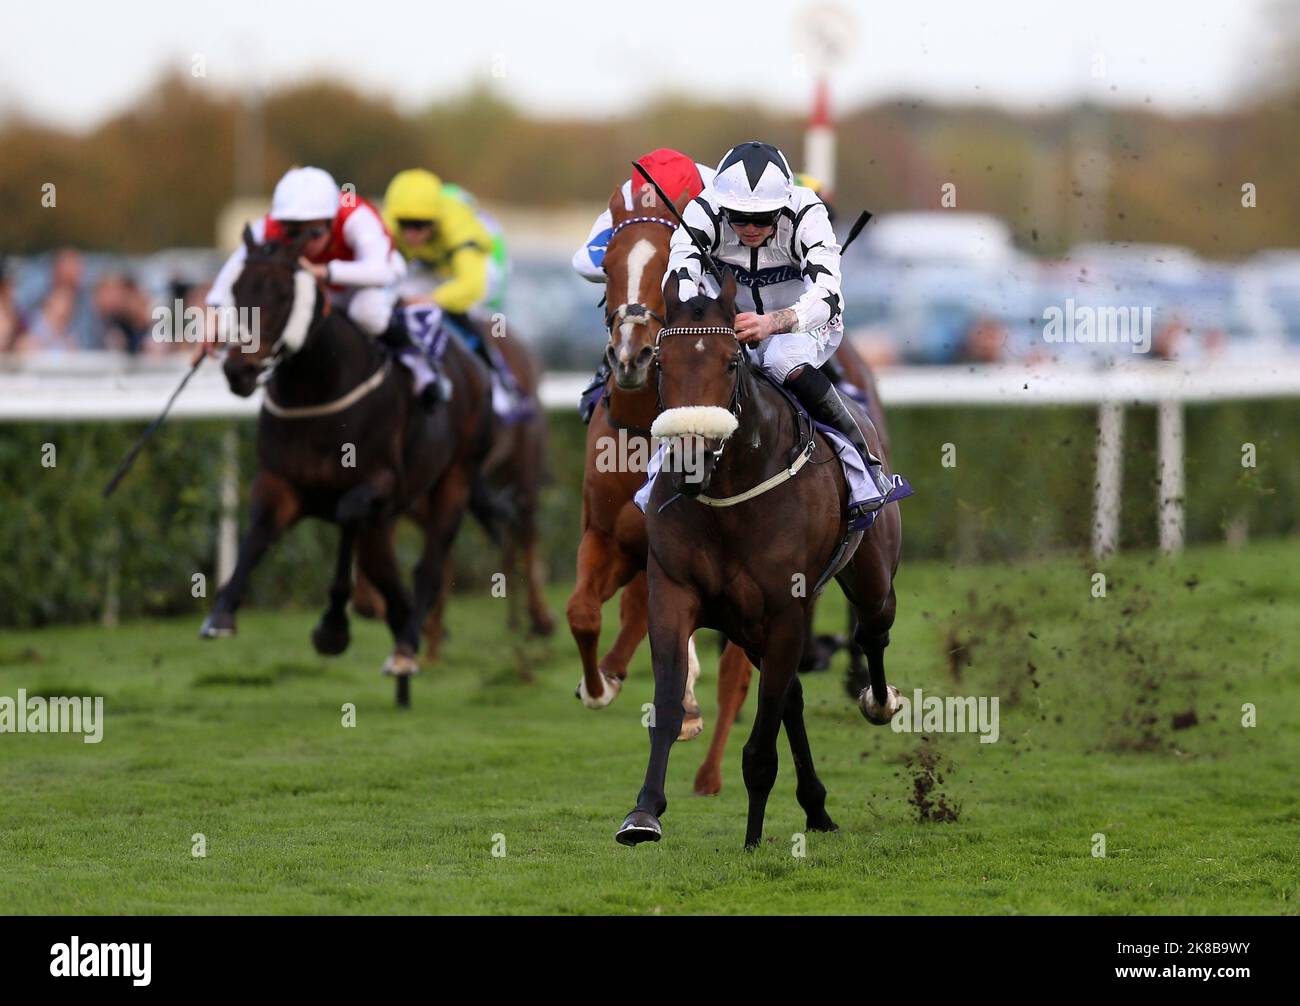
x=784, y=320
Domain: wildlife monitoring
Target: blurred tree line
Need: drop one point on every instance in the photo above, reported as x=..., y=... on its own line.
x=158, y=174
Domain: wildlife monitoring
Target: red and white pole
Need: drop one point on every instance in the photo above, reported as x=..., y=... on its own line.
x=819, y=140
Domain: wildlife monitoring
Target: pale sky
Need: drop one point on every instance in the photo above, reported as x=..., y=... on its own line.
x=71, y=64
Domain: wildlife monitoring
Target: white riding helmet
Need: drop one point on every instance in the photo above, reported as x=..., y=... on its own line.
x=753, y=177
x=305, y=194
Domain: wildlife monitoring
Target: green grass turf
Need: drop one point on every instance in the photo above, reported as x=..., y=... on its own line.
x=241, y=740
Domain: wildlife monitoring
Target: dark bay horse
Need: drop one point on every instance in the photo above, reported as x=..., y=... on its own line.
x=734, y=669
x=506, y=502
x=734, y=567
x=611, y=554
x=342, y=438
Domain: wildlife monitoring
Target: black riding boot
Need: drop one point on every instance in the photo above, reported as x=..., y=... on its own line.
x=824, y=404
x=395, y=336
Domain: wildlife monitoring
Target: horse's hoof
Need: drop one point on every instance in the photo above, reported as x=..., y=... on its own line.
x=330, y=640
x=692, y=727
x=824, y=823
x=217, y=627
x=639, y=826
x=401, y=665
x=543, y=625
x=708, y=782
x=613, y=684
x=855, y=681
x=876, y=713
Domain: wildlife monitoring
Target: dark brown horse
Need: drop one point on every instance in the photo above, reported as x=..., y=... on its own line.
x=611, y=554
x=735, y=567
x=506, y=502
x=341, y=437
x=734, y=669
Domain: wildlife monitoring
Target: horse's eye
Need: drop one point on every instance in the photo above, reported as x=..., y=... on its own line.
x=733, y=364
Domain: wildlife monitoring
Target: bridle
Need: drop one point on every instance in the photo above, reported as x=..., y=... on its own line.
x=281, y=349
x=285, y=346
x=801, y=456
x=739, y=359
x=634, y=313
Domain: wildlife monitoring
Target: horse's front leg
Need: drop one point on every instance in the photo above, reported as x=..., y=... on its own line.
x=379, y=563
x=672, y=620
x=331, y=637
x=633, y=622
x=603, y=567
x=275, y=506
x=447, y=506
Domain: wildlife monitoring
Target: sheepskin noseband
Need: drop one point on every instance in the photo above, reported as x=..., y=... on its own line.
x=709, y=421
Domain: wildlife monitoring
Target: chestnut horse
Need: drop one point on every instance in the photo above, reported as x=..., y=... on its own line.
x=729, y=565
x=505, y=503
x=612, y=550
x=341, y=437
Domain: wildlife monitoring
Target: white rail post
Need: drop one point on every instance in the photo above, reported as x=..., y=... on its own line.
x=228, y=522
x=1169, y=436
x=112, y=611
x=1110, y=479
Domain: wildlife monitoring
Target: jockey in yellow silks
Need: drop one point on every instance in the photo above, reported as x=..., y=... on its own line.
x=435, y=228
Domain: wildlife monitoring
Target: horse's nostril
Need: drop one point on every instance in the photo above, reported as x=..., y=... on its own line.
x=643, y=357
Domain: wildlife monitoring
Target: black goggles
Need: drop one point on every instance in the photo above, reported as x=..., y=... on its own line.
x=414, y=225
x=737, y=219
x=294, y=229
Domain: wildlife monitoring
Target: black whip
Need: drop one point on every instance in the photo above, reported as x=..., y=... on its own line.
x=706, y=258
x=863, y=219
x=152, y=428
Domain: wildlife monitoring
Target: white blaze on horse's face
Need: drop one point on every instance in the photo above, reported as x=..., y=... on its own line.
x=638, y=258
x=301, y=313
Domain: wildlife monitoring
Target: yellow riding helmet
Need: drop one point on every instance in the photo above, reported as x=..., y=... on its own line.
x=808, y=182
x=414, y=194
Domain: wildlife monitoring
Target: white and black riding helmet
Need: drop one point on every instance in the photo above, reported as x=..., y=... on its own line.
x=754, y=178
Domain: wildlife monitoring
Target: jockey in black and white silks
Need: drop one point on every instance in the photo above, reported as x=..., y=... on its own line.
x=777, y=239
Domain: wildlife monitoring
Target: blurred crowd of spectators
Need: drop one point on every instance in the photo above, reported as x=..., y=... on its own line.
x=924, y=310
x=70, y=312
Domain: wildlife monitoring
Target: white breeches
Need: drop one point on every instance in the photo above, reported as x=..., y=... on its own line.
x=780, y=354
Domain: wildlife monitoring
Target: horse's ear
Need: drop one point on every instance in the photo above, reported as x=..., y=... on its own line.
x=616, y=207
x=671, y=301
x=727, y=295
x=250, y=242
